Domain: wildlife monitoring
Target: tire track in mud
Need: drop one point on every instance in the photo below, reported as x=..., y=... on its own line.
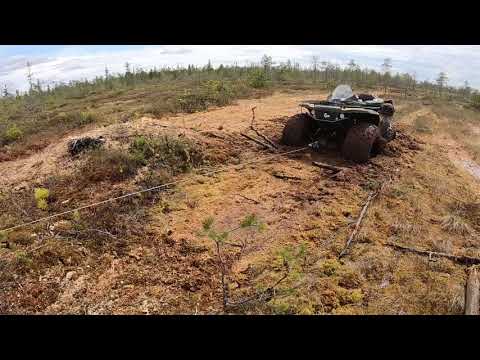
x=455, y=151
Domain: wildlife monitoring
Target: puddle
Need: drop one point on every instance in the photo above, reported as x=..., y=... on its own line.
x=472, y=168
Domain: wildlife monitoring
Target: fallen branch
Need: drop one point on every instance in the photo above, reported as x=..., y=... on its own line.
x=211, y=134
x=269, y=142
x=472, y=293
x=103, y=232
x=266, y=146
x=287, y=177
x=371, y=196
x=263, y=296
x=328, y=166
x=250, y=199
x=461, y=259
x=264, y=137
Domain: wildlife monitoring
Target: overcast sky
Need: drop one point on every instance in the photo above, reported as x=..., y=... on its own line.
x=64, y=63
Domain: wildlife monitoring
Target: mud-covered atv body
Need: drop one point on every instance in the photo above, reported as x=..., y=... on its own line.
x=361, y=124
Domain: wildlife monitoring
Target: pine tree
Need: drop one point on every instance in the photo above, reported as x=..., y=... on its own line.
x=29, y=76
x=38, y=86
x=386, y=67
x=441, y=81
x=315, y=67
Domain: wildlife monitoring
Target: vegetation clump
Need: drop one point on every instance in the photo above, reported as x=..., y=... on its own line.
x=11, y=134
x=173, y=152
x=110, y=164
x=41, y=197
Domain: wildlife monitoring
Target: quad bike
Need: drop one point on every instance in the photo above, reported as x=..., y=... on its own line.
x=360, y=124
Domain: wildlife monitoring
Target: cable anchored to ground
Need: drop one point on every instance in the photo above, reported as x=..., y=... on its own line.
x=154, y=188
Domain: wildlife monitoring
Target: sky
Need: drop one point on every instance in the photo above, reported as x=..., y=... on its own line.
x=56, y=63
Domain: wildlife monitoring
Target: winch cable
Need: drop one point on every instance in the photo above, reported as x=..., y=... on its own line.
x=43, y=219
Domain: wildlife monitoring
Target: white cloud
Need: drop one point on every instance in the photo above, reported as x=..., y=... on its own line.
x=79, y=62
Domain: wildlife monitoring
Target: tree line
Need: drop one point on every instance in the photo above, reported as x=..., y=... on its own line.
x=265, y=73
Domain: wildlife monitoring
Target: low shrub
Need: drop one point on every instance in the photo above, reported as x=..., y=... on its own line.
x=176, y=153
x=258, y=79
x=11, y=134
x=77, y=118
x=476, y=101
x=110, y=164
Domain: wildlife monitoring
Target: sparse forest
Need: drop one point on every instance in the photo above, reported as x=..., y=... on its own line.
x=160, y=91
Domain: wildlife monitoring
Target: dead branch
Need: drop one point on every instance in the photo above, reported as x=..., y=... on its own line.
x=264, y=137
x=371, y=196
x=286, y=177
x=328, y=166
x=266, y=146
x=250, y=199
x=461, y=259
x=103, y=232
x=212, y=134
x=472, y=293
x=263, y=296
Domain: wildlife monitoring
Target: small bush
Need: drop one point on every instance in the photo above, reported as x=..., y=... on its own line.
x=258, y=79
x=13, y=133
x=155, y=178
x=109, y=164
x=192, y=102
x=76, y=118
x=41, y=197
x=476, y=101
x=167, y=151
x=142, y=149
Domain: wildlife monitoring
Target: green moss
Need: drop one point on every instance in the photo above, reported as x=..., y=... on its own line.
x=350, y=296
x=41, y=196
x=330, y=267
x=41, y=193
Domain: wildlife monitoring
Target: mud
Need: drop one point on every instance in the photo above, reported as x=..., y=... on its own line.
x=170, y=269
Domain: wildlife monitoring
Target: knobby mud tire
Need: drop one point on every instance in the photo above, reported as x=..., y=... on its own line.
x=298, y=130
x=359, y=142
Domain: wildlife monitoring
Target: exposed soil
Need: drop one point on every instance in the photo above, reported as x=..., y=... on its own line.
x=171, y=269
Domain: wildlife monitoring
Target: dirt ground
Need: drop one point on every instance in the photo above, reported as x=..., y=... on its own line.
x=172, y=269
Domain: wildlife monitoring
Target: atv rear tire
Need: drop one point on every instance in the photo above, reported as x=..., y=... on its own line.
x=297, y=130
x=359, y=142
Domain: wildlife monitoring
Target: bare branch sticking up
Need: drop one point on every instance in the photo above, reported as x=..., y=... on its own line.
x=354, y=233
x=472, y=293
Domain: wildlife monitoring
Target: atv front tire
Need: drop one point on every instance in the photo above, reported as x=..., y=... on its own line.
x=297, y=130
x=359, y=142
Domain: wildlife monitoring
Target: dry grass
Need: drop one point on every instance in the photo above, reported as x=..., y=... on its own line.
x=455, y=224
x=109, y=164
x=423, y=124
